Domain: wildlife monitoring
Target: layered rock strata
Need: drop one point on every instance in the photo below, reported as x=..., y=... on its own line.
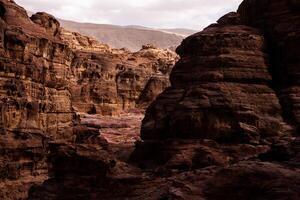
x=220, y=91
x=109, y=81
x=220, y=131
x=280, y=23
x=46, y=74
x=35, y=102
x=233, y=97
x=226, y=128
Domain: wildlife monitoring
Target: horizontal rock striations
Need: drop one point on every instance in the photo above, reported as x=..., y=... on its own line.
x=280, y=23
x=35, y=102
x=225, y=126
x=111, y=81
x=219, y=90
x=233, y=97
x=46, y=75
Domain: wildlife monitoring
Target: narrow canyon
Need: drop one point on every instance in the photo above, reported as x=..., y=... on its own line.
x=217, y=120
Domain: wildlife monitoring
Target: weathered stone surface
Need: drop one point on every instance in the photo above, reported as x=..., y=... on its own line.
x=223, y=90
x=113, y=81
x=47, y=72
x=254, y=180
x=47, y=21
x=35, y=104
x=81, y=42
x=280, y=22
x=81, y=169
x=207, y=136
x=219, y=90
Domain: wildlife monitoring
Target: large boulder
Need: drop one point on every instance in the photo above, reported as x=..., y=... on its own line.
x=221, y=93
x=219, y=90
x=47, y=21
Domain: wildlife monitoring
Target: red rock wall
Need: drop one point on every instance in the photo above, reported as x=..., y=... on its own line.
x=219, y=90
x=113, y=81
x=35, y=104
x=46, y=75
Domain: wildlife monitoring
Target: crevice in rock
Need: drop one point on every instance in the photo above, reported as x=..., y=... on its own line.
x=280, y=81
x=2, y=10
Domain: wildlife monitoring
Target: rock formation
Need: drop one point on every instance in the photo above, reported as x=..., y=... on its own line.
x=46, y=74
x=35, y=103
x=280, y=23
x=233, y=97
x=109, y=81
x=80, y=167
x=225, y=128
x=220, y=91
x=81, y=42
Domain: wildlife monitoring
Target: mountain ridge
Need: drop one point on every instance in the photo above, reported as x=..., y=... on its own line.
x=118, y=36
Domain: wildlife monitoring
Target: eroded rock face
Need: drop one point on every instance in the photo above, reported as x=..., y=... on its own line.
x=47, y=21
x=225, y=103
x=219, y=90
x=222, y=129
x=253, y=180
x=280, y=22
x=46, y=74
x=81, y=42
x=111, y=81
x=35, y=104
x=81, y=168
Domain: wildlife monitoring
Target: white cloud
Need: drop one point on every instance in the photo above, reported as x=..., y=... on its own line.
x=194, y=14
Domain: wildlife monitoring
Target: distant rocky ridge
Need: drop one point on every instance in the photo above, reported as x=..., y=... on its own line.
x=131, y=37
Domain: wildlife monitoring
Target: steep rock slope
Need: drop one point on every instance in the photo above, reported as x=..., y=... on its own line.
x=219, y=92
x=108, y=81
x=35, y=103
x=219, y=88
x=280, y=22
x=233, y=97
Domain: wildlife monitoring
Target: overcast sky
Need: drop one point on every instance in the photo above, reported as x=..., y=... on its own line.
x=192, y=14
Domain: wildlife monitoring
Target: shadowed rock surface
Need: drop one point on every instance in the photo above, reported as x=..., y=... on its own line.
x=225, y=128
x=280, y=23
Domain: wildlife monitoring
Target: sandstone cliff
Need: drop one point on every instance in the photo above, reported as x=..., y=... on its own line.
x=225, y=128
x=46, y=75
x=233, y=97
x=35, y=103
x=109, y=81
